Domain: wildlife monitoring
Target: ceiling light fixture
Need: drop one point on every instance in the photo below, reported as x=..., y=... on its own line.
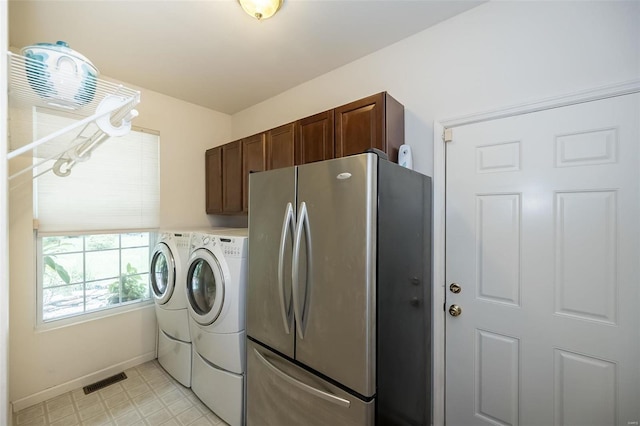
x=261, y=9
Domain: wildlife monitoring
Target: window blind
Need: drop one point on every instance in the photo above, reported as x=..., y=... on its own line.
x=117, y=188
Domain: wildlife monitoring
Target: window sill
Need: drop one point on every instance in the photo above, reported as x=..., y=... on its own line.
x=93, y=316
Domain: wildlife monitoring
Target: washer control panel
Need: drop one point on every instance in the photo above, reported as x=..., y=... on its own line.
x=182, y=241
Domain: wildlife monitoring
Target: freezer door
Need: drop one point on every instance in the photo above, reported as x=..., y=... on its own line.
x=281, y=393
x=271, y=224
x=334, y=287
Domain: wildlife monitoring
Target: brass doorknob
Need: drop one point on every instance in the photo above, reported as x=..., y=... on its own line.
x=455, y=310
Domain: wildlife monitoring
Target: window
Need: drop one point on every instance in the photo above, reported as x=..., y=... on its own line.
x=93, y=226
x=87, y=273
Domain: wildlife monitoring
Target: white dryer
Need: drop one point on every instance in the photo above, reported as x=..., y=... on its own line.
x=216, y=286
x=167, y=270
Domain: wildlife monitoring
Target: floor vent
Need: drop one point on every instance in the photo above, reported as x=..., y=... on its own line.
x=104, y=383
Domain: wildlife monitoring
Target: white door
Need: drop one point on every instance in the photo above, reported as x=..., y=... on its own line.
x=543, y=239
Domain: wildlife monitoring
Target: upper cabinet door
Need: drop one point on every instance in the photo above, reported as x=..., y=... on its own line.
x=314, y=139
x=280, y=147
x=359, y=126
x=253, y=160
x=373, y=122
x=232, y=177
x=213, y=177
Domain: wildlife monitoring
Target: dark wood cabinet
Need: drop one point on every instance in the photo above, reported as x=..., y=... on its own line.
x=373, y=122
x=232, y=177
x=281, y=147
x=213, y=176
x=314, y=138
x=253, y=160
x=376, y=121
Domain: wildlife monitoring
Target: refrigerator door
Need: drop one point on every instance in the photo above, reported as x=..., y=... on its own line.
x=280, y=393
x=272, y=206
x=334, y=288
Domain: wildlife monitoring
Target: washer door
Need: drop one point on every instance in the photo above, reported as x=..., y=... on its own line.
x=205, y=286
x=163, y=273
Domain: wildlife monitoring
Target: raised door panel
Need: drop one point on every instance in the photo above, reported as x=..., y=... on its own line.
x=213, y=178
x=315, y=141
x=232, y=177
x=359, y=126
x=281, y=146
x=376, y=121
x=253, y=160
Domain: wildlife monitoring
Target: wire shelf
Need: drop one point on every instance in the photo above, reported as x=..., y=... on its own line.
x=27, y=86
x=110, y=106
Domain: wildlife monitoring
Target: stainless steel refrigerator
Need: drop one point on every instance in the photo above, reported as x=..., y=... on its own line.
x=339, y=295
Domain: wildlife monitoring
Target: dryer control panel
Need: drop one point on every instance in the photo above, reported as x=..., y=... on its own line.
x=233, y=246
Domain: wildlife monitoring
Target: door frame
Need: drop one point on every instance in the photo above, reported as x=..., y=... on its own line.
x=439, y=209
x=5, y=405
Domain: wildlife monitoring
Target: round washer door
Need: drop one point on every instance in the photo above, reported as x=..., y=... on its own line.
x=163, y=273
x=205, y=286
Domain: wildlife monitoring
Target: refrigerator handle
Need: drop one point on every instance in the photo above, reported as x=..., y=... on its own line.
x=303, y=222
x=288, y=225
x=303, y=386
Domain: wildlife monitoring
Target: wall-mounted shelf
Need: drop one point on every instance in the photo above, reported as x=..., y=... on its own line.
x=107, y=111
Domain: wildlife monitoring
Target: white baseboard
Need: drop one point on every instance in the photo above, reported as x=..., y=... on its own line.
x=80, y=382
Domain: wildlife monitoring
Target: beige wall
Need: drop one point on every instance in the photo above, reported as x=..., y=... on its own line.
x=186, y=131
x=493, y=56
x=64, y=357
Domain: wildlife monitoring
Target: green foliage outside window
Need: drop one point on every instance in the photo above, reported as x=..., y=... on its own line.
x=133, y=287
x=50, y=244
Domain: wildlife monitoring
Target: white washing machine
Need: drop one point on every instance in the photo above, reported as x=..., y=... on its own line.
x=167, y=271
x=216, y=286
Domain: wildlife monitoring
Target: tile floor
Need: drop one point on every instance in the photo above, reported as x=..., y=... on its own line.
x=148, y=396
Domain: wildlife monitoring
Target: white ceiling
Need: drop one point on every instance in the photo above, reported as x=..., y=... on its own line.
x=213, y=54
